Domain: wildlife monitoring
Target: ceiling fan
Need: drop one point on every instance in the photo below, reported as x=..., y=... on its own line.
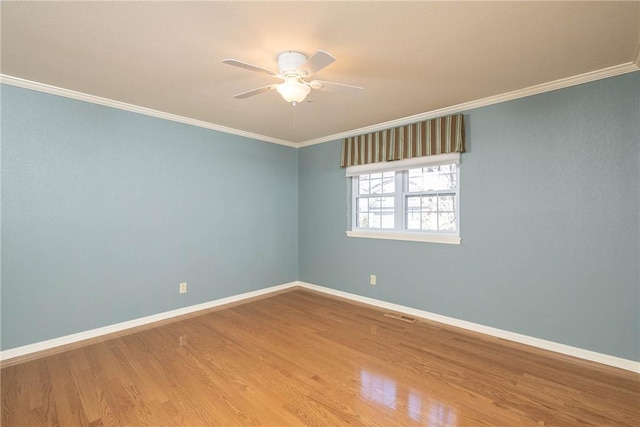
x=294, y=68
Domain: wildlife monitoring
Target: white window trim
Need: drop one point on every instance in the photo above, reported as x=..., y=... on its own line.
x=415, y=162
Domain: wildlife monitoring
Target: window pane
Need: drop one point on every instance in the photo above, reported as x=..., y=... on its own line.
x=415, y=172
x=432, y=178
x=447, y=181
x=363, y=220
x=363, y=186
x=447, y=221
x=362, y=205
x=429, y=221
x=431, y=182
x=376, y=186
x=415, y=183
x=387, y=220
x=413, y=221
x=389, y=185
x=413, y=203
x=429, y=203
x=446, y=203
x=448, y=168
x=374, y=220
x=374, y=203
x=452, y=181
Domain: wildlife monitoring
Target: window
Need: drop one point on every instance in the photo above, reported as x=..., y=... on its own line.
x=417, y=200
x=430, y=198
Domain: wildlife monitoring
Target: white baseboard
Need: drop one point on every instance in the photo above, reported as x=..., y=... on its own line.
x=118, y=327
x=629, y=365
x=593, y=356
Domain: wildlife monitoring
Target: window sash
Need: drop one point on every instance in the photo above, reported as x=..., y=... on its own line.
x=436, y=213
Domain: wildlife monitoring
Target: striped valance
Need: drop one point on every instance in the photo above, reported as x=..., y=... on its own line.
x=427, y=138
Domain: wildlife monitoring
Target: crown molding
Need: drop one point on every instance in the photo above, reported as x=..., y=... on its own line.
x=604, y=73
x=67, y=93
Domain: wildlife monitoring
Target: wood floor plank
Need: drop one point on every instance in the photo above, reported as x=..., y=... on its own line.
x=301, y=358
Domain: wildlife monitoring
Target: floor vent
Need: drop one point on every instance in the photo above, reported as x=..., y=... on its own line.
x=402, y=317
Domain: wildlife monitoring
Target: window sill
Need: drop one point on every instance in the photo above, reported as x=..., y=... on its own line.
x=413, y=237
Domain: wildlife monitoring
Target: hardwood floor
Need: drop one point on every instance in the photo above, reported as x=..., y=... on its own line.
x=300, y=358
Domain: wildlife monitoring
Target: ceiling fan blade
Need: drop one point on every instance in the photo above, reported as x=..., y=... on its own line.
x=246, y=66
x=335, y=87
x=255, y=91
x=317, y=62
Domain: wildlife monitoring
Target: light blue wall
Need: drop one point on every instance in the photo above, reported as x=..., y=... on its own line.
x=104, y=212
x=550, y=200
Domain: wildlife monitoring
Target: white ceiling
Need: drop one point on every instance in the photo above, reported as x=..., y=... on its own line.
x=411, y=57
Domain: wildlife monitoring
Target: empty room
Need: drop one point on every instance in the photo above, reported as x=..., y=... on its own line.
x=229, y=213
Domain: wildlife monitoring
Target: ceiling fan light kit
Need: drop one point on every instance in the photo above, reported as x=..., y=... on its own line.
x=294, y=68
x=293, y=91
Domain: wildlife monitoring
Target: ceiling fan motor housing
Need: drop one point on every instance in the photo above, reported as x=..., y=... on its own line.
x=289, y=62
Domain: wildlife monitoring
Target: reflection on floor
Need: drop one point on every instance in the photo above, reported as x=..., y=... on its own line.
x=376, y=388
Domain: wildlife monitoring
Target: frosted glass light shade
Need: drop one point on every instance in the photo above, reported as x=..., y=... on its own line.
x=293, y=91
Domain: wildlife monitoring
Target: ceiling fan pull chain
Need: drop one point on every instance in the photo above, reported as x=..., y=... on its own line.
x=294, y=115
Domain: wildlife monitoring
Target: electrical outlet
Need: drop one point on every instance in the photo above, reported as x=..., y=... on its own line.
x=183, y=287
x=372, y=280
